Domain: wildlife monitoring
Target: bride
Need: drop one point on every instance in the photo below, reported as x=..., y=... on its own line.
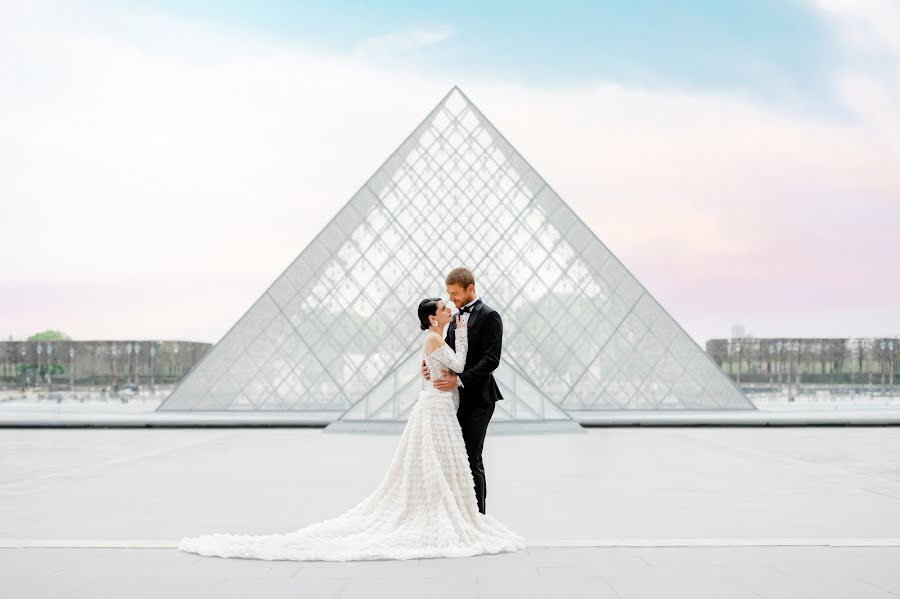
x=425, y=505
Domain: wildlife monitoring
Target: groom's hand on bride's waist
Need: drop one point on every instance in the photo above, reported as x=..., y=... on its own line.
x=425, y=372
x=448, y=382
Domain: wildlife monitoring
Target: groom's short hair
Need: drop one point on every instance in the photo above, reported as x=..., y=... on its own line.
x=461, y=276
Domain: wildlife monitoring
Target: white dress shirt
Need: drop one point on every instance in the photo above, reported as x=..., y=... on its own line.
x=465, y=319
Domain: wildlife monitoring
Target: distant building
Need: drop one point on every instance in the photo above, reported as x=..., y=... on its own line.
x=737, y=331
x=97, y=362
x=850, y=360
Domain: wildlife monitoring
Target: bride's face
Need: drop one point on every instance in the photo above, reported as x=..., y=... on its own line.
x=443, y=313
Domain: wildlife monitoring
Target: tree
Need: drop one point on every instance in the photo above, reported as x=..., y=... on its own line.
x=49, y=335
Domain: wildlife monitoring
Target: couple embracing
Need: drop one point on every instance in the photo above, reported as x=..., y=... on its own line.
x=431, y=500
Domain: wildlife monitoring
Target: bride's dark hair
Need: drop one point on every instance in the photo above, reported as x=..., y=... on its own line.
x=427, y=307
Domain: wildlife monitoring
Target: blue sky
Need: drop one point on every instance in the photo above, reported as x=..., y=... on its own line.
x=738, y=157
x=776, y=51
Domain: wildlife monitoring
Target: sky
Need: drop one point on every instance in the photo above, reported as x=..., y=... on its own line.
x=162, y=162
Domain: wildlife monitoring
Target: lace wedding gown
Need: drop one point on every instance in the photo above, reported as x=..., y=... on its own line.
x=424, y=506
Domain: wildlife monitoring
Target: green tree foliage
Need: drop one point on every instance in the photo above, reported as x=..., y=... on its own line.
x=49, y=335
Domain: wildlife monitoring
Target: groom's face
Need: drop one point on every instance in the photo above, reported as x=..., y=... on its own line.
x=460, y=296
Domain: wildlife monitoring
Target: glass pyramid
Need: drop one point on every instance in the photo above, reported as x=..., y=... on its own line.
x=337, y=332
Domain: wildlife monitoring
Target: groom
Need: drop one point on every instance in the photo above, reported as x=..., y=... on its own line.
x=477, y=388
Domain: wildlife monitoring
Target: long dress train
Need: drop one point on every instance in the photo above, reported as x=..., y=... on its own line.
x=424, y=506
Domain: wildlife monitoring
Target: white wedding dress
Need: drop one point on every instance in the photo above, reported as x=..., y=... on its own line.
x=424, y=506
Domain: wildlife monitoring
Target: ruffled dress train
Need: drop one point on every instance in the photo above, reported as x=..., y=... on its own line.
x=424, y=506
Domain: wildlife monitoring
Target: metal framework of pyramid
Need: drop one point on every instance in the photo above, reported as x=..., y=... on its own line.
x=337, y=334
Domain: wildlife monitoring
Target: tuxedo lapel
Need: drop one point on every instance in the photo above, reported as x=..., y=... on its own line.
x=473, y=316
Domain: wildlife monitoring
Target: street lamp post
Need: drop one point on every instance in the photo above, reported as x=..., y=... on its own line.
x=780, y=367
x=891, y=348
x=137, y=364
x=881, y=363
x=128, y=349
x=72, y=368
x=869, y=367
x=152, y=364
x=114, y=351
x=14, y=354
x=771, y=351
x=799, y=365
x=23, y=351
x=789, y=347
x=37, y=374
x=175, y=351
x=49, y=368
x=737, y=348
x=861, y=354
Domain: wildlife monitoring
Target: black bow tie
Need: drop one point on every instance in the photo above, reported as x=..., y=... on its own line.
x=465, y=309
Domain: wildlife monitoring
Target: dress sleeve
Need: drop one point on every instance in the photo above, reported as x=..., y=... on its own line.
x=455, y=361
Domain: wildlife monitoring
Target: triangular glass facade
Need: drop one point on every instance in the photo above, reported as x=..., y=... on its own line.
x=337, y=331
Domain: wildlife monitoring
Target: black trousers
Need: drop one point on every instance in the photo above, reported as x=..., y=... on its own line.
x=474, y=422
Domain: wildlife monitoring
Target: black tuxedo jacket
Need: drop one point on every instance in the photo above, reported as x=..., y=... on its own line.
x=485, y=339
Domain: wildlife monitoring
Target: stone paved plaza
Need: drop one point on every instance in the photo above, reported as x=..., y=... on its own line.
x=617, y=512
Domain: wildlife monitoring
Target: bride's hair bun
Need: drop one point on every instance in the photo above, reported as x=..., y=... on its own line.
x=427, y=307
